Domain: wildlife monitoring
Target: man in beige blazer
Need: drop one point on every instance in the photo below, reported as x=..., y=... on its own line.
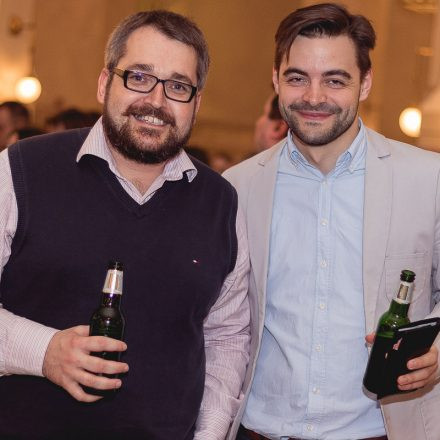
x=322, y=70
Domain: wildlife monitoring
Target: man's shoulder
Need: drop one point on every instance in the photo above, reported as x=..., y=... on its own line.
x=401, y=150
x=243, y=171
x=61, y=141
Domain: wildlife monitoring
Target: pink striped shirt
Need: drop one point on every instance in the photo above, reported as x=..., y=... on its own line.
x=23, y=343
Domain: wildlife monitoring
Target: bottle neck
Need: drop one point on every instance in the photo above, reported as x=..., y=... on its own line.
x=400, y=304
x=399, y=308
x=113, y=282
x=111, y=300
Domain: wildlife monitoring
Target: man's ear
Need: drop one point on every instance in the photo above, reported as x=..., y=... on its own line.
x=104, y=78
x=198, y=99
x=366, y=84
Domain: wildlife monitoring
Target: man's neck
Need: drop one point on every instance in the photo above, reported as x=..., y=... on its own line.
x=324, y=157
x=139, y=174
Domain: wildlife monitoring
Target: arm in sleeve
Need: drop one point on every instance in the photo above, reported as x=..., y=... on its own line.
x=227, y=338
x=23, y=343
x=435, y=273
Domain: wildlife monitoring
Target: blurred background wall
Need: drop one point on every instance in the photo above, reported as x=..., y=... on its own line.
x=62, y=43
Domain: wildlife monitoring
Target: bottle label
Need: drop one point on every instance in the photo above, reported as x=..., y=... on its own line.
x=403, y=295
x=113, y=282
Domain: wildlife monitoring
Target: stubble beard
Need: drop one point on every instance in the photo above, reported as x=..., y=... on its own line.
x=143, y=145
x=317, y=138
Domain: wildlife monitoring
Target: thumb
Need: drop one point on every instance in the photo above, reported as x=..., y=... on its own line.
x=370, y=338
x=81, y=330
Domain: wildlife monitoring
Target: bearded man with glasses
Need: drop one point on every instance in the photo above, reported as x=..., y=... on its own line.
x=124, y=189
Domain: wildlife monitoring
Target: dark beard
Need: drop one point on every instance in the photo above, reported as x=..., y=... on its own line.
x=122, y=139
x=339, y=127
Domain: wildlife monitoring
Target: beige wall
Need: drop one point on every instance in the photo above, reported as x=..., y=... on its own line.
x=70, y=41
x=70, y=37
x=15, y=50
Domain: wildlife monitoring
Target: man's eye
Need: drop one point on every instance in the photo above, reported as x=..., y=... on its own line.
x=178, y=87
x=296, y=80
x=336, y=83
x=137, y=77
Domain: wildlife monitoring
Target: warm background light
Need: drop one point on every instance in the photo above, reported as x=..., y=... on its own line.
x=410, y=121
x=28, y=89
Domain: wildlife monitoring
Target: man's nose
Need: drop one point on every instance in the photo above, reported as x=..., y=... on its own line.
x=314, y=94
x=157, y=96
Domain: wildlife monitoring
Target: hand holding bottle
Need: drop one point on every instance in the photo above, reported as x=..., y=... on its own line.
x=425, y=368
x=425, y=371
x=69, y=364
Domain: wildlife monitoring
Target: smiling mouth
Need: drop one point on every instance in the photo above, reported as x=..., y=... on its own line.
x=150, y=120
x=314, y=115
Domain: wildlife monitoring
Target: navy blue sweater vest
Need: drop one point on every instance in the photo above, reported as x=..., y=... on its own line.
x=177, y=250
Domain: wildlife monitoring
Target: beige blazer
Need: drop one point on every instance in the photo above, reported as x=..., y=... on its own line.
x=401, y=231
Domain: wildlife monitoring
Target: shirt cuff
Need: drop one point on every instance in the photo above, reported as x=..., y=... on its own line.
x=26, y=347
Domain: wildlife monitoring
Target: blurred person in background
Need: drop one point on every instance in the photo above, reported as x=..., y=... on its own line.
x=270, y=127
x=23, y=133
x=13, y=116
x=198, y=153
x=220, y=161
x=70, y=118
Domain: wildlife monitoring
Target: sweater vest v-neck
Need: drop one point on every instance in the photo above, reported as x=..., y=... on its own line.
x=177, y=250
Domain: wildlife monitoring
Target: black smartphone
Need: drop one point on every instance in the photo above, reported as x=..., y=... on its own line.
x=410, y=341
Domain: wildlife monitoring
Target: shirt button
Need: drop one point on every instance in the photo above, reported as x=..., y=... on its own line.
x=309, y=428
x=323, y=263
x=315, y=390
x=318, y=347
x=324, y=222
x=322, y=306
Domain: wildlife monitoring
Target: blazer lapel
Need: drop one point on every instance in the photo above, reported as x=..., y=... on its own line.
x=259, y=217
x=377, y=217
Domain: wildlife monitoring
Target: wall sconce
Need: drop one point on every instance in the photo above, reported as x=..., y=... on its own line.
x=421, y=6
x=28, y=89
x=410, y=121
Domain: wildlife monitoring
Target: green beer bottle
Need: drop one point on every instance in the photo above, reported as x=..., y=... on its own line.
x=396, y=316
x=107, y=319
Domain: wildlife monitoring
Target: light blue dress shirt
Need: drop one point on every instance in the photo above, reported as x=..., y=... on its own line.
x=308, y=380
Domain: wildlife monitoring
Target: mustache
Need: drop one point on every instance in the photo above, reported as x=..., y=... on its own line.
x=321, y=107
x=149, y=110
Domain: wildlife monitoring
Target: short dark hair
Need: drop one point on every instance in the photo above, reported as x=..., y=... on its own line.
x=24, y=133
x=69, y=118
x=172, y=25
x=326, y=19
x=19, y=113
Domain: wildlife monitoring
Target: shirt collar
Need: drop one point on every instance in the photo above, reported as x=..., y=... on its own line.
x=96, y=145
x=351, y=159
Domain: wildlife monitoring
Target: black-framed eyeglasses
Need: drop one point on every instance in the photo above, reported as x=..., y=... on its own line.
x=144, y=83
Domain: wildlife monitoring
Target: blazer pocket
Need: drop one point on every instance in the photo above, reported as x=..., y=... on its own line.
x=394, y=264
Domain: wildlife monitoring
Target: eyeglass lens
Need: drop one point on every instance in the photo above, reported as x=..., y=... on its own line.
x=143, y=82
